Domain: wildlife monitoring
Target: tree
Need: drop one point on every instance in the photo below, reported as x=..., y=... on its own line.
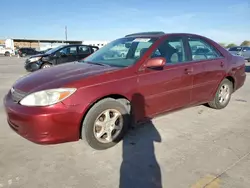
x=231, y=45
x=245, y=43
x=222, y=44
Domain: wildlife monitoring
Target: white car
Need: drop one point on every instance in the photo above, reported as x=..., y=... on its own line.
x=6, y=51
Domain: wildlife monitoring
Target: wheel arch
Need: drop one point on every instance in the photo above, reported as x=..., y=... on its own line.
x=45, y=62
x=231, y=79
x=119, y=97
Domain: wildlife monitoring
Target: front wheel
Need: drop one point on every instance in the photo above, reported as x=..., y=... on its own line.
x=105, y=124
x=46, y=65
x=223, y=95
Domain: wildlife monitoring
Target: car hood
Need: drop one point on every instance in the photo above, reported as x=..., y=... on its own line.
x=59, y=76
x=39, y=55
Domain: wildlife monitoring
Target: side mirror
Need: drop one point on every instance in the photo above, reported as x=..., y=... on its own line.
x=157, y=62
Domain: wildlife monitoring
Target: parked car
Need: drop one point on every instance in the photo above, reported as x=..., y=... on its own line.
x=97, y=99
x=23, y=52
x=243, y=51
x=44, y=51
x=6, y=51
x=58, y=55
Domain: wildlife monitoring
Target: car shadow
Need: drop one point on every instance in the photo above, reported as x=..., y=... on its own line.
x=139, y=168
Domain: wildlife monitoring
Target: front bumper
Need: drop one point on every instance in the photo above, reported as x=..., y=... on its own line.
x=44, y=125
x=32, y=66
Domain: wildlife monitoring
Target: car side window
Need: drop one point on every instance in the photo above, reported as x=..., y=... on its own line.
x=69, y=50
x=31, y=51
x=83, y=50
x=201, y=50
x=236, y=49
x=246, y=49
x=172, y=49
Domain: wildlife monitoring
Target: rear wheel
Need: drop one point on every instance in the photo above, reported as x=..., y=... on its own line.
x=7, y=53
x=105, y=124
x=223, y=95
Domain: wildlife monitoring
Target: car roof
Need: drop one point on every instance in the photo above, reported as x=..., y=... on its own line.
x=239, y=46
x=67, y=45
x=159, y=34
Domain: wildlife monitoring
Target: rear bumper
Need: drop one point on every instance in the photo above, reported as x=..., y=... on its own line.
x=44, y=125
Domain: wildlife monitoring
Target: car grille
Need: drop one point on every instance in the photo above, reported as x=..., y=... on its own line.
x=17, y=95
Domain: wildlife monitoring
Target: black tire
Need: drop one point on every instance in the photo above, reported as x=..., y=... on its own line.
x=46, y=65
x=87, y=132
x=7, y=53
x=216, y=104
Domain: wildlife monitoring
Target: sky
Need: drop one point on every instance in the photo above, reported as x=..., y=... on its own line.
x=224, y=21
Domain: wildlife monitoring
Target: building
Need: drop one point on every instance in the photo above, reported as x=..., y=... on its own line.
x=96, y=43
x=42, y=44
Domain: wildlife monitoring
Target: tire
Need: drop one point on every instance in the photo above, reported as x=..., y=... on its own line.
x=46, y=65
x=7, y=53
x=217, y=103
x=88, y=132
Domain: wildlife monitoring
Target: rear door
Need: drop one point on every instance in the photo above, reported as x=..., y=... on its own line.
x=83, y=51
x=170, y=87
x=208, y=68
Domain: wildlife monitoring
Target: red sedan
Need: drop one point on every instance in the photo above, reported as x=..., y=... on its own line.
x=98, y=98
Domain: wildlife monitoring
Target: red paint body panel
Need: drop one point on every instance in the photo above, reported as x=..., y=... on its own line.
x=44, y=125
x=175, y=86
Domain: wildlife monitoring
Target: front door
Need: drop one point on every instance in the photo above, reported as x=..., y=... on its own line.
x=67, y=54
x=169, y=88
x=208, y=69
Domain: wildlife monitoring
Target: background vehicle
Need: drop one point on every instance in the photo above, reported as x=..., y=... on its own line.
x=44, y=51
x=6, y=51
x=97, y=99
x=23, y=52
x=243, y=51
x=58, y=55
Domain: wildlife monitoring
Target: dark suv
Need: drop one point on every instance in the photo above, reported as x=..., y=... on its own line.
x=23, y=52
x=59, y=55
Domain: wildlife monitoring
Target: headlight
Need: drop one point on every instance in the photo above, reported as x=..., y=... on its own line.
x=47, y=97
x=34, y=59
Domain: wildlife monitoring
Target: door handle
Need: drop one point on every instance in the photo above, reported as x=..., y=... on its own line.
x=188, y=71
x=222, y=64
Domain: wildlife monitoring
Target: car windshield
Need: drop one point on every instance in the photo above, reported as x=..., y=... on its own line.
x=54, y=49
x=122, y=52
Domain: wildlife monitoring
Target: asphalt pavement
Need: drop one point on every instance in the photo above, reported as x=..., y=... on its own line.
x=195, y=147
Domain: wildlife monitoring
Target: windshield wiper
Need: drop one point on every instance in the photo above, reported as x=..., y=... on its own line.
x=95, y=63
